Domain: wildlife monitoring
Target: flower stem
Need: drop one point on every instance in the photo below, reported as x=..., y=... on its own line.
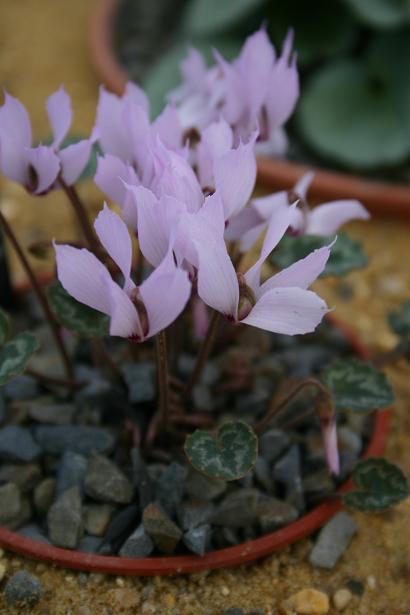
x=163, y=378
x=276, y=407
x=204, y=352
x=52, y=380
x=81, y=213
x=39, y=292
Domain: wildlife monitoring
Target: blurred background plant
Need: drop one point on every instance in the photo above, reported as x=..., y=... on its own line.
x=353, y=57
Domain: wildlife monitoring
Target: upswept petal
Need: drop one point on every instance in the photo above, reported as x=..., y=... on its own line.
x=290, y=311
x=83, y=276
x=15, y=137
x=255, y=64
x=212, y=213
x=74, y=158
x=168, y=127
x=235, y=176
x=303, y=184
x=283, y=87
x=278, y=224
x=124, y=321
x=46, y=165
x=329, y=433
x=114, y=136
x=59, y=114
x=234, y=98
x=137, y=95
x=328, y=217
x=243, y=222
x=301, y=274
x=266, y=205
x=165, y=294
x=216, y=140
x=111, y=176
x=193, y=69
x=115, y=238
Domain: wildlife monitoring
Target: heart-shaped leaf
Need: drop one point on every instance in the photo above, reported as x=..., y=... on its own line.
x=4, y=327
x=380, y=485
x=335, y=31
x=357, y=386
x=15, y=355
x=399, y=321
x=381, y=13
x=206, y=17
x=76, y=316
x=370, y=127
x=346, y=254
x=228, y=455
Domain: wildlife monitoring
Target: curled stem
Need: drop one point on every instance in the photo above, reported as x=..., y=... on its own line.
x=276, y=407
x=81, y=213
x=39, y=292
x=204, y=352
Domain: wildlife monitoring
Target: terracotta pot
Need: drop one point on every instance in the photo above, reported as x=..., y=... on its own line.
x=223, y=558
x=381, y=198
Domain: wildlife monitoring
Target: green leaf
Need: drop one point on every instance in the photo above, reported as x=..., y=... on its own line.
x=4, y=327
x=208, y=17
x=357, y=386
x=355, y=116
x=228, y=455
x=346, y=254
x=15, y=355
x=335, y=31
x=399, y=321
x=381, y=13
x=381, y=484
x=165, y=75
x=76, y=316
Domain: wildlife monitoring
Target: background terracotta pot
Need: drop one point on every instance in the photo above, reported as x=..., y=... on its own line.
x=381, y=198
x=223, y=558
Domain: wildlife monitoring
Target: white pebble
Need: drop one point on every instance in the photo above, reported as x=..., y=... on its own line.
x=342, y=598
x=371, y=582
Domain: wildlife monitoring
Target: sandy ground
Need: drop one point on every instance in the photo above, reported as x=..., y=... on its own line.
x=48, y=39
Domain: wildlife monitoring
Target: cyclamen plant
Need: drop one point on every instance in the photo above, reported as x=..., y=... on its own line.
x=184, y=184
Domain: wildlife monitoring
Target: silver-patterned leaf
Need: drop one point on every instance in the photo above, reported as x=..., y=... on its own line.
x=15, y=355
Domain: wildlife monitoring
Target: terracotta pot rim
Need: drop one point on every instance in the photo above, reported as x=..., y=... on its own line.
x=381, y=198
x=222, y=558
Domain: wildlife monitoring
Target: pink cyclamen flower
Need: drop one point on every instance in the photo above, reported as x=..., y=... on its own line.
x=282, y=304
x=329, y=434
x=38, y=168
x=323, y=220
x=136, y=312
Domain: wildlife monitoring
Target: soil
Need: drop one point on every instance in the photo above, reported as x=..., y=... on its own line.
x=50, y=44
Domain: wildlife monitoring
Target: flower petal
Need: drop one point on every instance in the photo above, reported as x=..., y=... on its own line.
x=165, y=294
x=83, y=276
x=114, y=236
x=302, y=186
x=255, y=64
x=125, y=321
x=46, y=165
x=111, y=176
x=283, y=87
x=216, y=140
x=74, y=158
x=114, y=137
x=235, y=176
x=168, y=127
x=289, y=311
x=15, y=137
x=59, y=114
x=329, y=434
x=137, y=95
x=328, y=217
x=301, y=274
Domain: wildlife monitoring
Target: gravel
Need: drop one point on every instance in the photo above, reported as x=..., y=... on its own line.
x=83, y=439
x=164, y=533
x=139, y=544
x=64, y=519
x=332, y=541
x=105, y=482
x=17, y=444
x=23, y=589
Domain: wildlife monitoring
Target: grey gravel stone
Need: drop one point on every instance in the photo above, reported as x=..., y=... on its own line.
x=21, y=387
x=97, y=518
x=287, y=471
x=55, y=414
x=272, y=444
x=200, y=486
x=318, y=483
x=105, y=482
x=17, y=444
x=273, y=513
x=96, y=388
x=57, y=439
x=192, y=513
x=262, y=474
x=64, y=519
x=139, y=544
x=197, y=539
x=71, y=472
x=140, y=379
x=203, y=398
x=238, y=509
x=332, y=541
x=44, y=495
x=90, y=544
x=26, y=476
x=170, y=487
x=120, y=527
x=141, y=479
x=34, y=532
x=10, y=503
x=23, y=589
x=164, y=533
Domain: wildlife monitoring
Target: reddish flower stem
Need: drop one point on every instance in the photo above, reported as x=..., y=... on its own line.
x=163, y=378
x=82, y=217
x=204, y=352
